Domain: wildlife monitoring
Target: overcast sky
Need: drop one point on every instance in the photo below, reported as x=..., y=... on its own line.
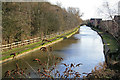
x=88, y=7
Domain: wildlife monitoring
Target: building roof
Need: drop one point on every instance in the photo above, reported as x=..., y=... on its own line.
x=96, y=19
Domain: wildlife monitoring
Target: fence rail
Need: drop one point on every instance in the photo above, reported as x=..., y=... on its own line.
x=30, y=41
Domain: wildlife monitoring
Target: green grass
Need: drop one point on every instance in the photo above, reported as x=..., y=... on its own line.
x=109, y=39
x=112, y=43
x=5, y=55
x=14, y=49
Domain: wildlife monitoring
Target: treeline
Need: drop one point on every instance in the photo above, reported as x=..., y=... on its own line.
x=26, y=20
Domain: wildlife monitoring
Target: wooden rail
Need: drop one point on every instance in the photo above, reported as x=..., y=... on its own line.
x=30, y=41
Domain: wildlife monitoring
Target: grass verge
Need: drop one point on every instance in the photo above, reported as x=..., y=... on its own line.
x=109, y=40
x=21, y=50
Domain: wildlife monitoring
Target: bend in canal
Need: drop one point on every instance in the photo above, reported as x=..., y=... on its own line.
x=86, y=47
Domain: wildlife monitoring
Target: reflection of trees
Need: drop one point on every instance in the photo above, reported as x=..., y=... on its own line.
x=65, y=43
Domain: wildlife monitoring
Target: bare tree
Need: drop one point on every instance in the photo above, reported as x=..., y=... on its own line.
x=109, y=12
x=75, y=11
x=59, y=4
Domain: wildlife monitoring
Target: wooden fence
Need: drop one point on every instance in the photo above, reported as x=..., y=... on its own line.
x=26, y=42
x=30, y=41
x=19, y=44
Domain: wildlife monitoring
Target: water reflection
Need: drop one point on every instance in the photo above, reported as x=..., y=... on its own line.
x=85, y=47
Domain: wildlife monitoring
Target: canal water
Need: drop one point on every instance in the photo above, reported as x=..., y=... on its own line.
x=85, y=47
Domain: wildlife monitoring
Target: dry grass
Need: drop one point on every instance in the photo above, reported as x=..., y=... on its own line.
x=102, y=72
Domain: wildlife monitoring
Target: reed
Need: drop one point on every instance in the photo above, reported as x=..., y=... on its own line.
x=47, y=70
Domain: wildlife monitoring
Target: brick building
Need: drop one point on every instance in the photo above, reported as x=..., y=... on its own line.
x=95, y=22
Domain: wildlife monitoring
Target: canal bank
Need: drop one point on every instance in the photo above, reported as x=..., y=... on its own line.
x=110, y=45
x=54, y=40
x=85, y=47
x=110, y=69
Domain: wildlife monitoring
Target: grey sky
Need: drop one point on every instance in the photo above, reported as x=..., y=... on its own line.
x=88, y=7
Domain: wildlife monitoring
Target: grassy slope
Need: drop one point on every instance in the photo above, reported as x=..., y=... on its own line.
x=6, y=55
x=109, y=39
x=103, y=71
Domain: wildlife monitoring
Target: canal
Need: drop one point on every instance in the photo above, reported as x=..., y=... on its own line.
x=85, y=47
